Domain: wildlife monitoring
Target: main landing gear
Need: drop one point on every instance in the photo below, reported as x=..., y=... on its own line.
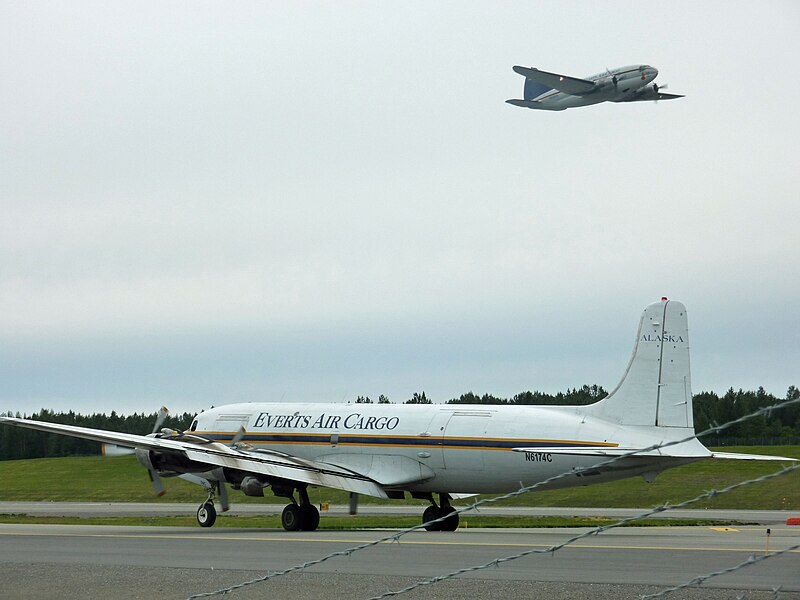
x=300, y=517
x=434, y=512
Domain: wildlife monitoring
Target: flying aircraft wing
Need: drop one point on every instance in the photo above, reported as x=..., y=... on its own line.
x=562, y=83
x=649, y=94
x=201, y=450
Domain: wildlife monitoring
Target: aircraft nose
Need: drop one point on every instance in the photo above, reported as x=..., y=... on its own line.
x=652, y=72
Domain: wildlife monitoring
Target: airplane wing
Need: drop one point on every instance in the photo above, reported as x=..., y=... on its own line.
x=656, y=96
x=201, y=450
x=648, y=94
x=562, y=83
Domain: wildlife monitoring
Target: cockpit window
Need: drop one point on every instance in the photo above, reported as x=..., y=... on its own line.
x=193, y=426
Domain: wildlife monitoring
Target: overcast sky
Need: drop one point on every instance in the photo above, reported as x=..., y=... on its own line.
x=203, y=203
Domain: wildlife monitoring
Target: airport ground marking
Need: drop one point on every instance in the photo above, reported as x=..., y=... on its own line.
x=576, y=546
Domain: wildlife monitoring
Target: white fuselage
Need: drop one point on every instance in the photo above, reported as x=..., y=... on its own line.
x=458, y=448
x=628, y=81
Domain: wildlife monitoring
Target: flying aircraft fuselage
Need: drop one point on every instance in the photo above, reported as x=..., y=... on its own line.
x=544, y=90
x=628, y=81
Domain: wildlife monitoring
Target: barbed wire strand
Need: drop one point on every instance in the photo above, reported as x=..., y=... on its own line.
x=594, y=531
x=395, y=537
x=700, y=579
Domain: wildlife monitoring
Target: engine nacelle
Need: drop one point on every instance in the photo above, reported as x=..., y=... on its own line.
x=648, y=92
x=167, y=463
x=251, y=486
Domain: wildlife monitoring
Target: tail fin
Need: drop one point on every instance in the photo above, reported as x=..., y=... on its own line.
x=533, y=89
x=656, y=389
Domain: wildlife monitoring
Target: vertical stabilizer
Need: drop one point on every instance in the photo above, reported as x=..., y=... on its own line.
x=656, y=389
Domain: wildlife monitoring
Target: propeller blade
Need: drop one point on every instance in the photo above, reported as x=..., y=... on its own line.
x=223, y=496
x=353, y=503
x=163, y=412
x=238, y=437
x=158, y=485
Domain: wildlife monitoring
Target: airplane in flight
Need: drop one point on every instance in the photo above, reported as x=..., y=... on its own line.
x=551, y=91
x=447, y=450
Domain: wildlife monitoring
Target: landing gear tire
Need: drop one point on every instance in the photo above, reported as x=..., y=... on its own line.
x=206, y=515
x=437, y=512
x=292, y=518
x=310, y=517
x=431, y=513
x=451, y=522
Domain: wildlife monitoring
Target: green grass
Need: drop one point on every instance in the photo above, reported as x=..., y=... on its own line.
x=122, y=479
x=357, y=522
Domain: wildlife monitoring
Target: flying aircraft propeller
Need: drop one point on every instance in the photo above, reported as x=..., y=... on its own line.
x=657, y=88
x=614, y=79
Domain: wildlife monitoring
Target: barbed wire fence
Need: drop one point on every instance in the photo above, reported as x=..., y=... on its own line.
x=597, y=530
x=395, y=537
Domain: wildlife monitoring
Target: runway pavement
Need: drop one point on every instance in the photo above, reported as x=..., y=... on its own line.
x=107, y=509
x=43, y=561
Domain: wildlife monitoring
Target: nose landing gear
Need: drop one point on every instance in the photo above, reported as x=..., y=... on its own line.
x=207, y=514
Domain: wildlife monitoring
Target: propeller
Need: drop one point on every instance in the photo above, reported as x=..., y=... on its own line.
x=163, y=413
x=155, y=480
x=115, y=450
x=657, y=88
x=235, y=441
x=614, y=79
x=353, y=503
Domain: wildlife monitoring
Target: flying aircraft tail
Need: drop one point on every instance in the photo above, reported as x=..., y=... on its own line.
x=656, y=388
x=533, y=89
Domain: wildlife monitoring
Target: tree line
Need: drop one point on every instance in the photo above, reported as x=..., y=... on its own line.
x=781, y=426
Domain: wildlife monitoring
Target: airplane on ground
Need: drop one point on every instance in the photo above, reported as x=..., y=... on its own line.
x=551, y=91
x=449, y=450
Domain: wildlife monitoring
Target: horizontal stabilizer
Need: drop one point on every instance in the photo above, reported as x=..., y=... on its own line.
x=736, y=456
x=530, y=104
x=691, y=449
x=562, y=83
x=523, y=103
x=571, y=451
